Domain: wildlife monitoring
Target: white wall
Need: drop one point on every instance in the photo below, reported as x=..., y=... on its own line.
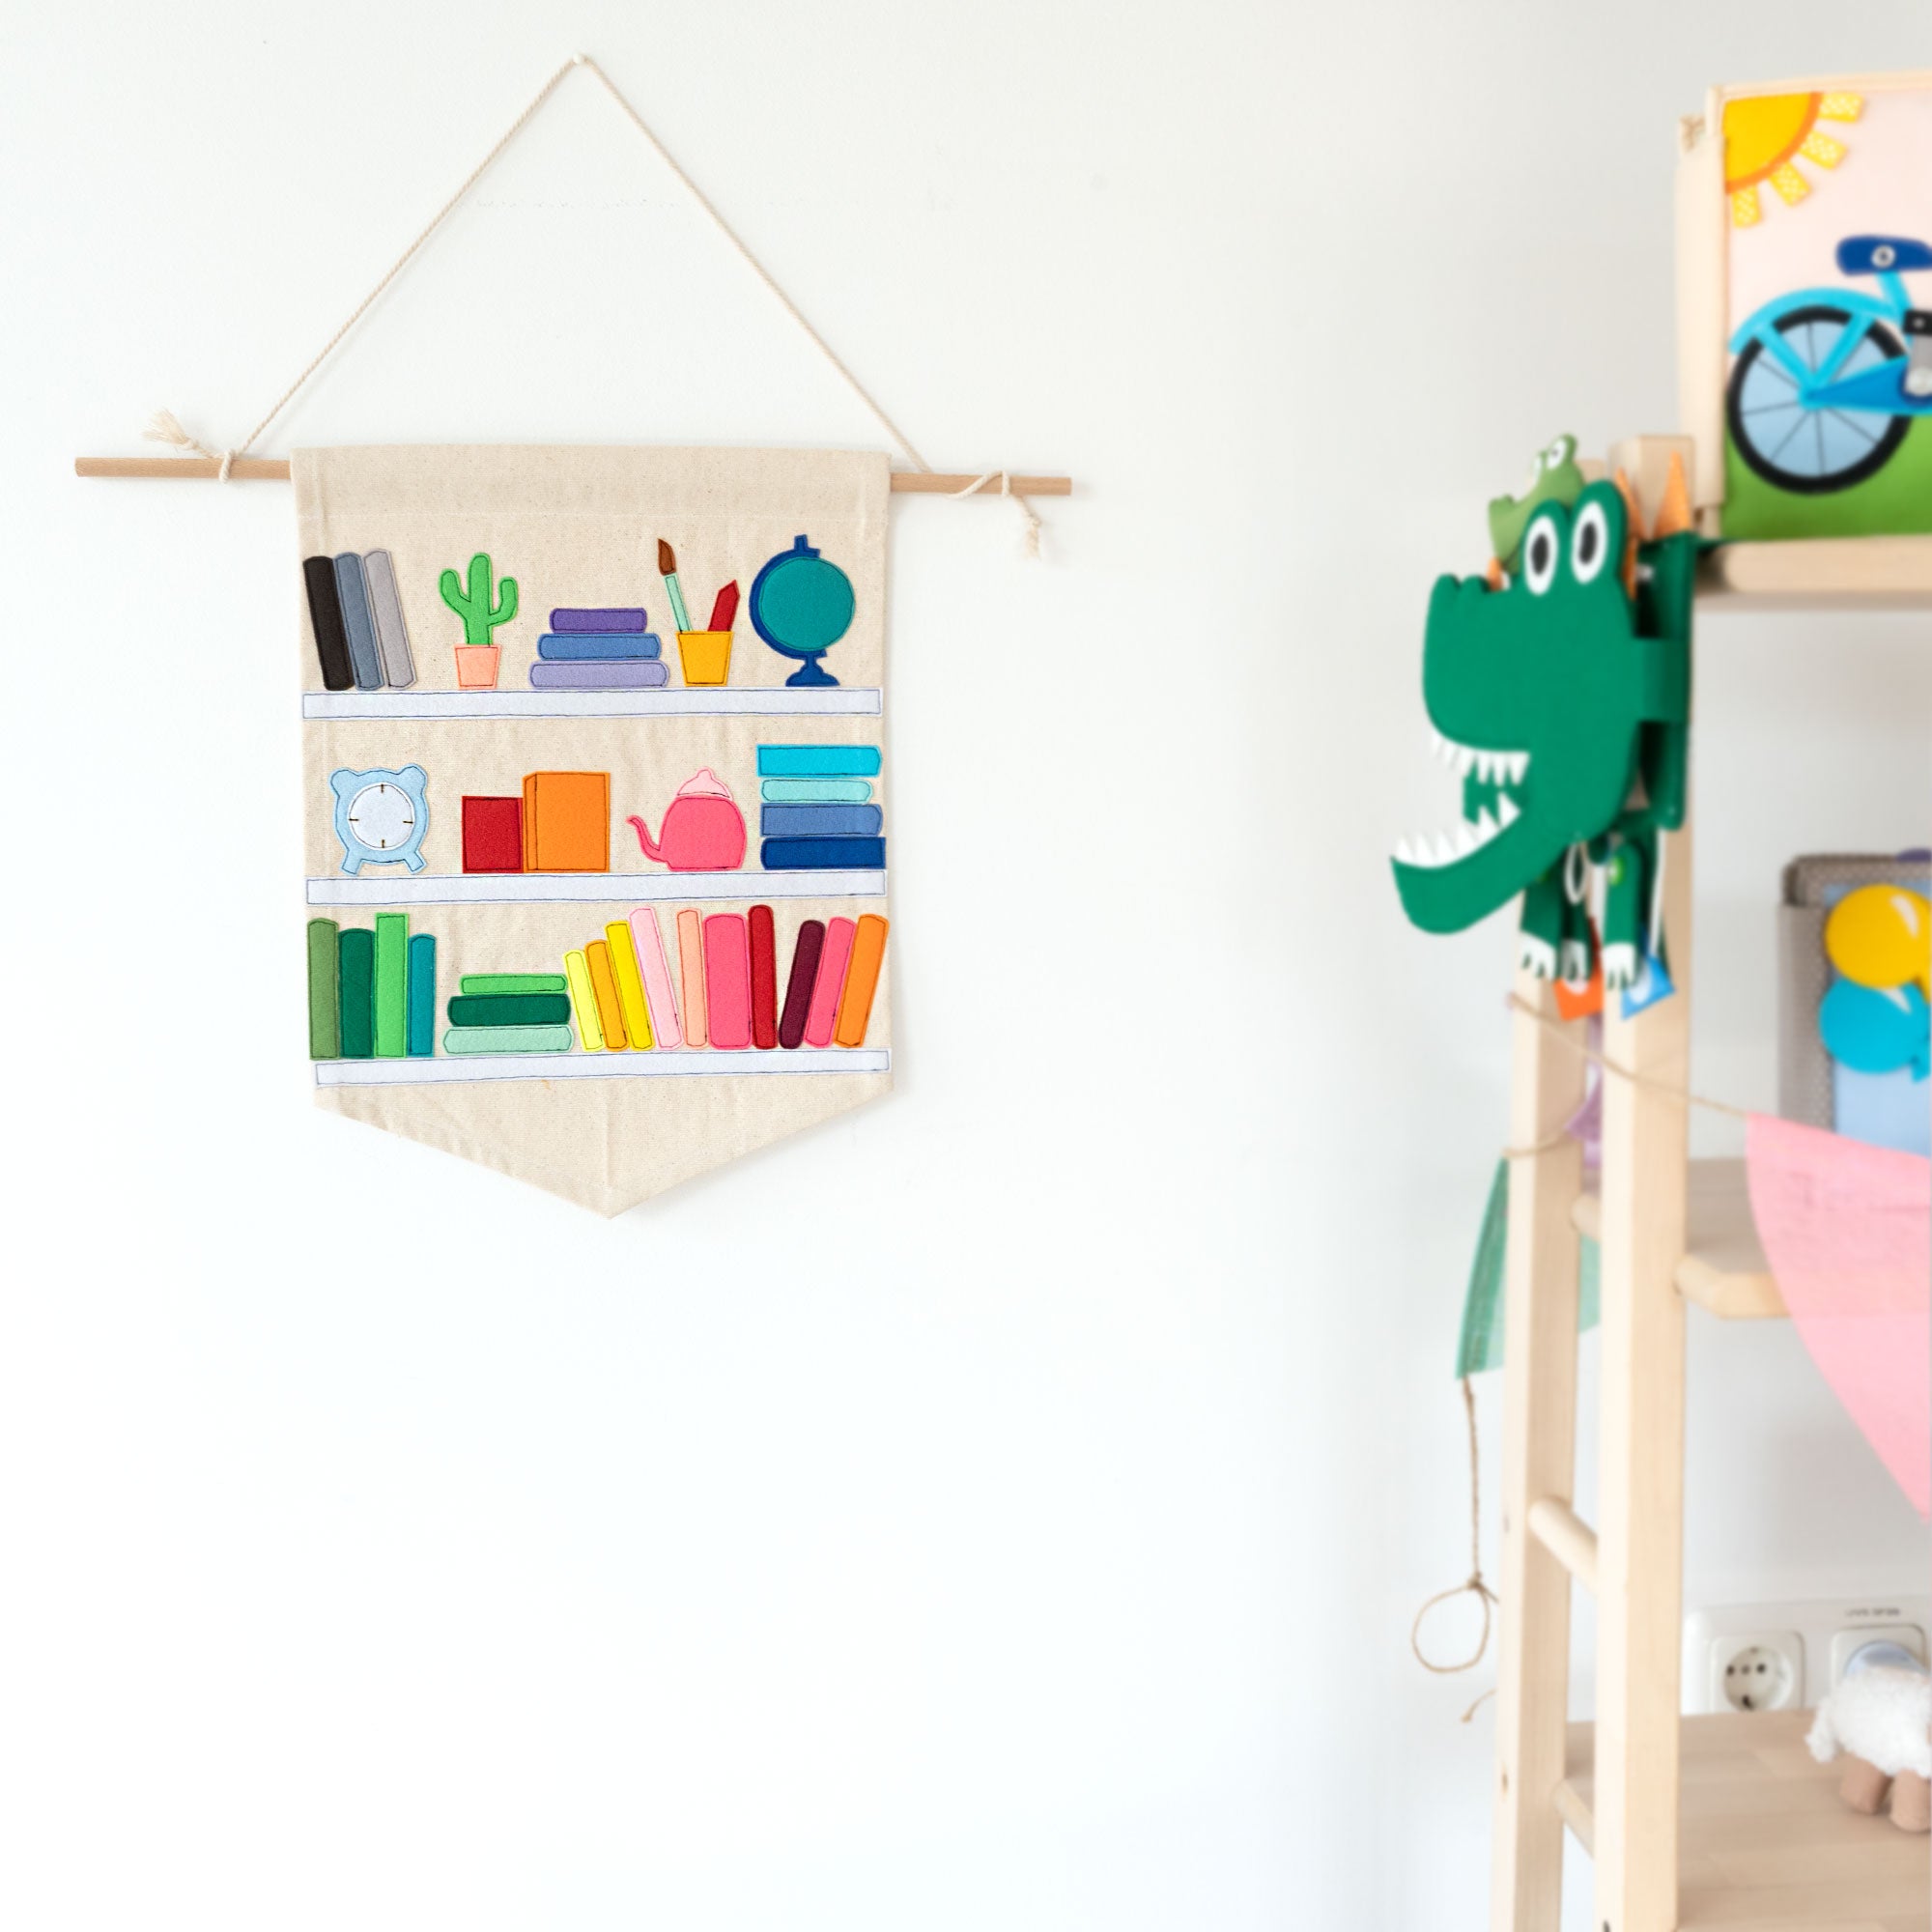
x=390, y=1545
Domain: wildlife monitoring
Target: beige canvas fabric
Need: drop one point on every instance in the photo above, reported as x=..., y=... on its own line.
x=579, y=528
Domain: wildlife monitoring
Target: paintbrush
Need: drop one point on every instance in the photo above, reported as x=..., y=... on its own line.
x=674, y=589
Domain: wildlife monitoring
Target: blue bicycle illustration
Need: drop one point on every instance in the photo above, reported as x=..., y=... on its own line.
x=1826, y=381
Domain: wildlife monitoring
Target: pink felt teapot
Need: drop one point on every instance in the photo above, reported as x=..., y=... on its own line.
x=702, y=832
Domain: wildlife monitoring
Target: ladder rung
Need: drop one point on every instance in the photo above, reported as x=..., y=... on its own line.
x=1566, y=1537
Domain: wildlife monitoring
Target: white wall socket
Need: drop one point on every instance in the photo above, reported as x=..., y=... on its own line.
x=1783, y=1657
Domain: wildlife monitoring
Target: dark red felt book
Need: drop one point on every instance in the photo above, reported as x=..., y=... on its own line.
x=764, y=979
x=493, y=835
x=804, y=975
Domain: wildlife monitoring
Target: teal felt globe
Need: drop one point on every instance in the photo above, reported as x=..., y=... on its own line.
x=801, y=606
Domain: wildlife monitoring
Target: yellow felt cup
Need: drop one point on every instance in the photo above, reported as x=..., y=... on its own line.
x=705, y=655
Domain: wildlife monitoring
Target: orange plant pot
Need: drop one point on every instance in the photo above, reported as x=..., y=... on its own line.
x=476, y=667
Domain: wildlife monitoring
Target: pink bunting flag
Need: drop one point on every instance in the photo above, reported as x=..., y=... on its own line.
x=1847, y=1229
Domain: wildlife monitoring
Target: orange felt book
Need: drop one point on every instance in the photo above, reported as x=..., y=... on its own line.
x=567, y=822
x=604, y=985
x=861, y=981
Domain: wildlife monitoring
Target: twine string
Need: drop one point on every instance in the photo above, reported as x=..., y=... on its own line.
x=1474, y=1584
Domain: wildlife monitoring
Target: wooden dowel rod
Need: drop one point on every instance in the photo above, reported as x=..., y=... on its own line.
x=275, y=469
x=1566, y=1537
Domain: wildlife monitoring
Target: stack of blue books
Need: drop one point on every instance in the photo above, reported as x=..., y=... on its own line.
x=816, y=812
x=598, y=650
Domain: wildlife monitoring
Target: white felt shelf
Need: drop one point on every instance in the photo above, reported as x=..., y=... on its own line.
x=590, y=888
x=842, y=701
x=673, y=1065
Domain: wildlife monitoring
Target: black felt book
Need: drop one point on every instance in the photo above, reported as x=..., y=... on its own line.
x=324, y=616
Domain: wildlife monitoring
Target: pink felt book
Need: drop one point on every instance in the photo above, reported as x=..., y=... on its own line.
x=830, y=983
x=656, y=971
x=727, y=979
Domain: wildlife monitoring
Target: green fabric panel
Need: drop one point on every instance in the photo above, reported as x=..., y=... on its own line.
x=501, y=1009
x=355, y=958
x=1481, y=1345
x=324, y=1028
x=514, y=982
x=509, y=1039
x=392, y=984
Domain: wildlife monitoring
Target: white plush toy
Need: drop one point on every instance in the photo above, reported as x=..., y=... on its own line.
x=1881, y=1721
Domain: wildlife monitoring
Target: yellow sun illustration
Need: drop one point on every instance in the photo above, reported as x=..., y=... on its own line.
x=1763, y=138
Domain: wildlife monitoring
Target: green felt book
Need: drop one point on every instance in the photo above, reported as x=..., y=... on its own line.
x=507, y=1040
x=422, y=995
x=514, y=982
x=392, y=985
x=355, y=970
x=324, y=1015
x=501, y=1009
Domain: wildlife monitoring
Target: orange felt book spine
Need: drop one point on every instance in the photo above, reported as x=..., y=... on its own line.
x=567, y=822
x=604, y=985
x=861, y=981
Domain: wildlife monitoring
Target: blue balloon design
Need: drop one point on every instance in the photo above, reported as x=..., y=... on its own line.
x=1877, y=1030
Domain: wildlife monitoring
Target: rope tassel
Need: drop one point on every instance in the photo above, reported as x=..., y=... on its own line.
x=1030, y=520
x=164, y=426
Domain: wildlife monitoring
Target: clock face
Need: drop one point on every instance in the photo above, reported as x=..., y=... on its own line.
x=382, y=817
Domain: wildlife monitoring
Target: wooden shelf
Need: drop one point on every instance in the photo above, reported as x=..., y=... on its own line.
x=356, y=706
x=1725, y=1270
x=1765, y=1842
x=446, y=1069
x=1819, y=574
x=392, y=889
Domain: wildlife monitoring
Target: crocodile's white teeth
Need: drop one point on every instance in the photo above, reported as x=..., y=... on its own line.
x=1507, y=809
x=1518, y=764
x=1459, y=841
x=1465, y=758
x=1486, y=765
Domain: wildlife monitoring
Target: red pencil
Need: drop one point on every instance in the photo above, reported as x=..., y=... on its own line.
x=724, y=612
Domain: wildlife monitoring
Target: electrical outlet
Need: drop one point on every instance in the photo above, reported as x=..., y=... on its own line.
x=1780, y=1657
x=1764, y=1671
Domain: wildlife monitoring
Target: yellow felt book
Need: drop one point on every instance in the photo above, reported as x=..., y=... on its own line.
x=583, y=1003
x=629, y=982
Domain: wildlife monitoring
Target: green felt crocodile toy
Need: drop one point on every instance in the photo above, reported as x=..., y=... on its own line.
x=1554, y=478
x=1562, y=702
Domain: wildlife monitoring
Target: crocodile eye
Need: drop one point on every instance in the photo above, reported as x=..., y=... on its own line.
x=1558, y=454
x=1589, y=543
x=1540, y=552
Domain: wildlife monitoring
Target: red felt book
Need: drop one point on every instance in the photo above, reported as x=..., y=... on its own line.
x=493, y=835
x=764, y=979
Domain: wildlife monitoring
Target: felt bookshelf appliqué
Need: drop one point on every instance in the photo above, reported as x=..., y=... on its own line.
x=543, y=932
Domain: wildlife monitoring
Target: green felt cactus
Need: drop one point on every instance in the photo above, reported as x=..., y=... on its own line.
x=480, y=616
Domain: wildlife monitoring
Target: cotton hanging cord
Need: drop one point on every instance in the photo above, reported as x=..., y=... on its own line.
x=164, y=427
x=1473, y=1585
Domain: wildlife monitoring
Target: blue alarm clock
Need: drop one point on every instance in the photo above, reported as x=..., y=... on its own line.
x=802, y=605
x=380, y=817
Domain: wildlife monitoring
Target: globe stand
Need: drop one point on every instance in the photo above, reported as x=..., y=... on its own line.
x=810, y=675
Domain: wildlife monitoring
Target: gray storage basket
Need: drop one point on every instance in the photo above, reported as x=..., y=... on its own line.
x=1804, y=973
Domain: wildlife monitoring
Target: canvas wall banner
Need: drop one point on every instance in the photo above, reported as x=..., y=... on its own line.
x=594, y=770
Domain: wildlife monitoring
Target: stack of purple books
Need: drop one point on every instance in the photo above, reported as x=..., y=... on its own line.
x=598, y=650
